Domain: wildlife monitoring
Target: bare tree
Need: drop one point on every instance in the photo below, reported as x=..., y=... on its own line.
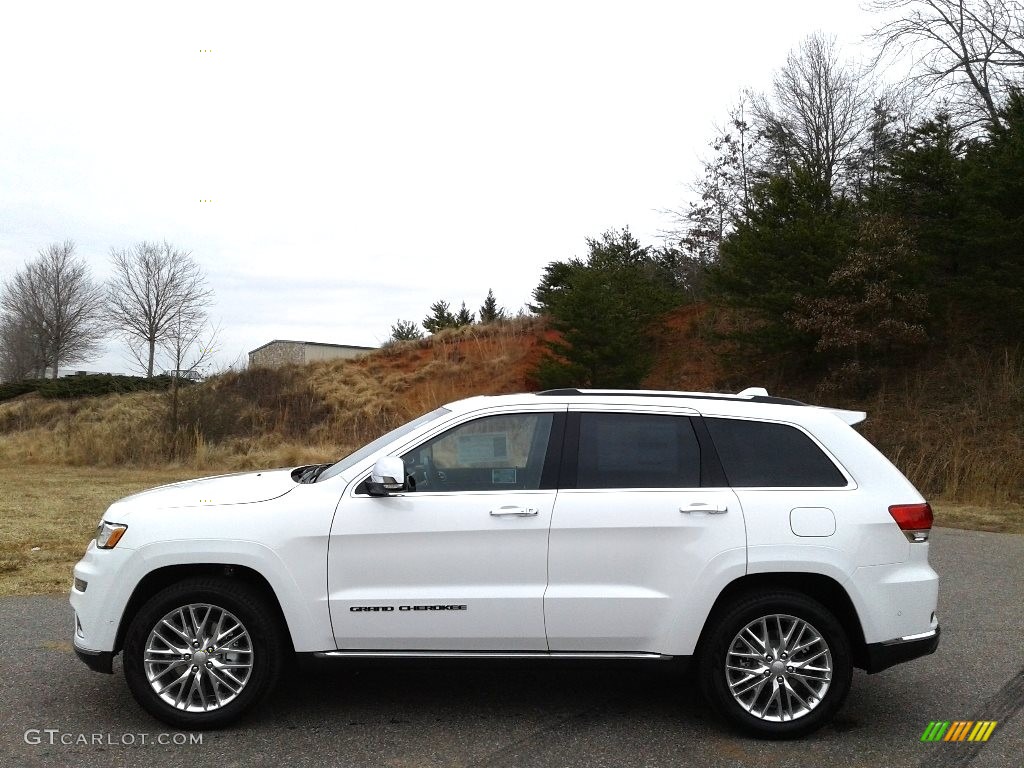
x=21, y=354
x=55, y=298
x=190, y=343
x=816, y=113
x=720, y=197
x=154, y=286
x=968, y=52
x=893, y=113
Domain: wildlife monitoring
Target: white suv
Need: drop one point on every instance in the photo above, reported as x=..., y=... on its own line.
x=765, y=538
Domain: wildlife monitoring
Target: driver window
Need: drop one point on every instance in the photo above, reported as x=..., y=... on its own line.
x=495, y=453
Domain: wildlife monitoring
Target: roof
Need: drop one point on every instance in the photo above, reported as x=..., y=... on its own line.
x=312, y=344
x=706, y=402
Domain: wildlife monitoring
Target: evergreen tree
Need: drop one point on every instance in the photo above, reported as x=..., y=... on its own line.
x=991, y=281
x=926, y=192
x=405, y=330
x=603, y=309
x=794, y=237
x=440, y=317
x=464, y=317
x=490, y=312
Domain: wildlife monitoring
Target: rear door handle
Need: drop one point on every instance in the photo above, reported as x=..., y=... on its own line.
x=514, y=512
x=700, y=506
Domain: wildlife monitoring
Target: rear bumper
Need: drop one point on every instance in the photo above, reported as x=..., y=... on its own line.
x=97, y=661
x=881, y=656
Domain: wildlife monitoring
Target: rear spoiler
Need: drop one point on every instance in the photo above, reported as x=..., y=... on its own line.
x=760, y=394
x=850, y=417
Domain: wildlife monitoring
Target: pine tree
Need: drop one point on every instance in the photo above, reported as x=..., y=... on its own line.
x=796, y=234
x=490, y=312
x=440, y=317
x=603, y=309
x=405, y=330
x=464, y=317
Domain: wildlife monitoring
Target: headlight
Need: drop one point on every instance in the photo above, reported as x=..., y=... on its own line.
x=108, y=534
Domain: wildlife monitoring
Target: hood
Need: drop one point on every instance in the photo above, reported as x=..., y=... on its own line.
x=242, y=488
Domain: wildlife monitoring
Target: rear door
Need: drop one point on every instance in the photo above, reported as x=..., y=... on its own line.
x=644, y=534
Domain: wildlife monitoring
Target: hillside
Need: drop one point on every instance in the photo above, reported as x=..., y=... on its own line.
x=283, y=416
x=954, y=424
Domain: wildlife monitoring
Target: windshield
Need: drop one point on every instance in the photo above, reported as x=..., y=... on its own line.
x=354, y=458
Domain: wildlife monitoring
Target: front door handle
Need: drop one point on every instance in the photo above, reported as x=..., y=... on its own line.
x=700, y=506
x=514, y=512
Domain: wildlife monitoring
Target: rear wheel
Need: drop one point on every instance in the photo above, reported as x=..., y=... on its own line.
x=203, y=651
x=777, y=664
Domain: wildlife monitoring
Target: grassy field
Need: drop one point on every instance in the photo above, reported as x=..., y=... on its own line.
x=48, y=514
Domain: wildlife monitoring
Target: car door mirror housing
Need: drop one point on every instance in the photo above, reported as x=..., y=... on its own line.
x=387, y=477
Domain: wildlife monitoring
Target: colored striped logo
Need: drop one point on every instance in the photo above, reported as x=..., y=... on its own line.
x=959, y=730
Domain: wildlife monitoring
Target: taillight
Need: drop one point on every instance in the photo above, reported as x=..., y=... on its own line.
x=915, y=520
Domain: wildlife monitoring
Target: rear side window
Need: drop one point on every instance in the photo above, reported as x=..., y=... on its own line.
x=634, y=450
x=757, y=454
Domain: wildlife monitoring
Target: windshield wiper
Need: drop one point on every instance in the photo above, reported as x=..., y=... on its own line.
x=310, y=474
x=316, y=472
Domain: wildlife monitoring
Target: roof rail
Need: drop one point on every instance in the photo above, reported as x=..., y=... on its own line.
x=751, y=395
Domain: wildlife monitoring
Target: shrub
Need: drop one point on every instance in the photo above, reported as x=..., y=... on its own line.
x=87, y=386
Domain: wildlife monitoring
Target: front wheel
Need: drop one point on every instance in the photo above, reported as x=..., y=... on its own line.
x=777, y=664
x=202, y=651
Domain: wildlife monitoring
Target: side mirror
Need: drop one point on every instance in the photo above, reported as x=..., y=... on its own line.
x=386, y=477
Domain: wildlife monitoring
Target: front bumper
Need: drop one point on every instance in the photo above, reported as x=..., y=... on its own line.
x=97, y=661
x=99, y=594
x=881, y=656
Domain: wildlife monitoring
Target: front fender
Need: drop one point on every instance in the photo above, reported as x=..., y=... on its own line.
x=304, y=605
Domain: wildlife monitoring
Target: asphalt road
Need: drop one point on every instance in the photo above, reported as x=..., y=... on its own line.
x=539, y=713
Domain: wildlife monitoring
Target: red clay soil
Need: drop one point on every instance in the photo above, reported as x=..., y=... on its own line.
x=503, y=360
x=684, y=359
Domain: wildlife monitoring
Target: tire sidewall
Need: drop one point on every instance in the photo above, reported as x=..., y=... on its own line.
x=250, y=609
x=728, y=623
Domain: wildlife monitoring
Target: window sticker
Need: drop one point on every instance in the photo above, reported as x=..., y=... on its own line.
x=482, y=448
x=503, y=476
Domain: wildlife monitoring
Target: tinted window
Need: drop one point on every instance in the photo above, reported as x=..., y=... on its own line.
x=632, y=450
x=757, y=454
x=495, y=453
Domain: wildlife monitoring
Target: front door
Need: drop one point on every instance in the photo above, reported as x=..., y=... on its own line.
x=459, y=563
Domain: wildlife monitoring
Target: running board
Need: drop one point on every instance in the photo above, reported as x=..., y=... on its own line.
x=485, y=655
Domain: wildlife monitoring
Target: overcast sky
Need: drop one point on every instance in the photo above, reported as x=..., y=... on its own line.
x=365, y=159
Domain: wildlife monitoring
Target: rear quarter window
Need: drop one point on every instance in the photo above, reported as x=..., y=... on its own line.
x=760, y=454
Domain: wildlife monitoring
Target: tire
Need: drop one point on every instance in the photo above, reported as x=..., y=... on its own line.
x=778, y=694
x=214, y=680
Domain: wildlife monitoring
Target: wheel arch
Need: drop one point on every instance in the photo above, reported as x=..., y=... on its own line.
x=159, y=578
x=825, y=589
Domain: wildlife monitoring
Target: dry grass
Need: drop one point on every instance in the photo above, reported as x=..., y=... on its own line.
x=955, y=427
x=975, y=517
x=56, y=509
